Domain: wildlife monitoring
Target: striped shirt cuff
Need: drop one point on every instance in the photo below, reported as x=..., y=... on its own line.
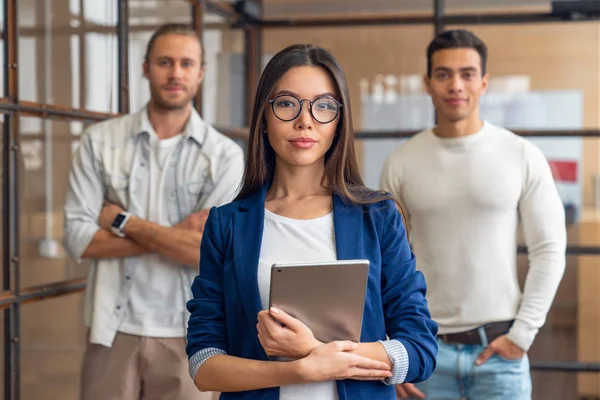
x=398, y=356
x=200, y=358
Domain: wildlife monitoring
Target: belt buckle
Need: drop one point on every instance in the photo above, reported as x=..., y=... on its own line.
x=447, y=339
x=444, y=339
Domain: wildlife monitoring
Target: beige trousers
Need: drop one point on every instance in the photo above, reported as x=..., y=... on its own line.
x=139, y=368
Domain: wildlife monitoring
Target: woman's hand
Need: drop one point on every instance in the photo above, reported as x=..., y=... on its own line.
x=333, y=361
x=282, y=335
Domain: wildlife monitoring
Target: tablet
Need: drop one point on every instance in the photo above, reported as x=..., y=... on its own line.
x=329, y=297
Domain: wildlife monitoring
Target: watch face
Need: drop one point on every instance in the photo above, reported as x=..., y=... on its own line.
x=118, y=221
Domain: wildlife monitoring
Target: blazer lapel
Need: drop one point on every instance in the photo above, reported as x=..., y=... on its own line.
x=348, y=228
x=247, y=239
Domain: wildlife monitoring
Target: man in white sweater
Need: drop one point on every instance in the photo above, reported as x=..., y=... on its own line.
x=467, y=185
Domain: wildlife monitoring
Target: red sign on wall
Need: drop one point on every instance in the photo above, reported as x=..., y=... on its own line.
x=564, y=171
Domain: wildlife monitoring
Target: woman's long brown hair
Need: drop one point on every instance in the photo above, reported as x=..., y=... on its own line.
x=341, y=174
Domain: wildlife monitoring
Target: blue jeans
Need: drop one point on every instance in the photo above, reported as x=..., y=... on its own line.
x=457, y=377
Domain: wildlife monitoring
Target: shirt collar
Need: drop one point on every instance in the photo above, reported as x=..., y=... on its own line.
x=195, y=127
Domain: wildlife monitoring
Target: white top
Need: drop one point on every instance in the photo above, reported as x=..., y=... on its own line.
x=151, y=310
x=293, y=240
x=464, y=197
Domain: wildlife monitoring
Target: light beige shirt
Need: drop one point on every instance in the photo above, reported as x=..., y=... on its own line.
x=111, y=163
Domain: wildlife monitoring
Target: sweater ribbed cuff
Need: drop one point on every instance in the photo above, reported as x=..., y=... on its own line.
x=522, y=334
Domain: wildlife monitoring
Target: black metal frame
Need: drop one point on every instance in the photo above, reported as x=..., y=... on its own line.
x=123, y=55
x=11, y=214
x=521, y=18
x=12, y=108
x=585, y=133
x=197, y=12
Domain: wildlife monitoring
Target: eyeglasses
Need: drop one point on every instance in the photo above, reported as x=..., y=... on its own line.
x=323, y=109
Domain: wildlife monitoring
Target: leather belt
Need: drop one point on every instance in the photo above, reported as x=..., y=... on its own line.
x=472, y=337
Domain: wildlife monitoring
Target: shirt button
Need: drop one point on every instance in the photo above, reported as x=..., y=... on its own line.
x=118, y=307
x=127, y=277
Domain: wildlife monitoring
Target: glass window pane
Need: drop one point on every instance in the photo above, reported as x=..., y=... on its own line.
x=145, y=18
x=158, y=12
x=223, y=88
x=52, y=345
x=68, y=56
x=557, y=339
x=44, y=179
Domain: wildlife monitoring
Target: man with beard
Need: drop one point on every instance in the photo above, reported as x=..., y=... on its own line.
x=139, y=191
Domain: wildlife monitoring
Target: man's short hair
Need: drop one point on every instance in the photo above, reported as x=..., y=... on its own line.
x=174, y=29
x=457, y=39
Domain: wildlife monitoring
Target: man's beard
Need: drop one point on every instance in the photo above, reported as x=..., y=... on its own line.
x=168, y=104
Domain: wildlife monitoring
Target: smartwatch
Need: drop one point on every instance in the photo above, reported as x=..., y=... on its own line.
x=119, y=223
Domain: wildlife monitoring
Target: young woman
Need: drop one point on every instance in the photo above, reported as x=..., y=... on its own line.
x=302, y=199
